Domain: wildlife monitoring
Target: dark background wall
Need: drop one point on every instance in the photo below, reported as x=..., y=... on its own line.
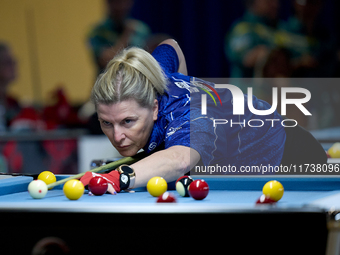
x=200, y=27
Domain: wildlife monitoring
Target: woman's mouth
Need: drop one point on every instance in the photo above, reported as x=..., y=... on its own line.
x=123, y=146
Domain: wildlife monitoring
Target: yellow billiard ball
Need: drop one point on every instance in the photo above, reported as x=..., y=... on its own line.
x=334, y=151
x=73, y=189
x=274, y=190
x=156, y=186
x=47, y=177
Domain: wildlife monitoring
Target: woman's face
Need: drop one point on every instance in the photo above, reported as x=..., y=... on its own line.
x=127, y=124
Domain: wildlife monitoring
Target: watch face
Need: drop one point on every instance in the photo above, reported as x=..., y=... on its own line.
x=127, y=169
x=124, y=178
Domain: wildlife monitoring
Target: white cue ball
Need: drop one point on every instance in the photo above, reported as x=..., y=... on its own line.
x=37, y=189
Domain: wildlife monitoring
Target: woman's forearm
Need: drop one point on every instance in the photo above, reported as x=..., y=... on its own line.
x=170, y=164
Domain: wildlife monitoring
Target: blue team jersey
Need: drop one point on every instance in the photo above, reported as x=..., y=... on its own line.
x=180, y=122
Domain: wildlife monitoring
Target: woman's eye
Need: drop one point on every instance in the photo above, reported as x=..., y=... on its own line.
x=128, y=121
x=106, y=123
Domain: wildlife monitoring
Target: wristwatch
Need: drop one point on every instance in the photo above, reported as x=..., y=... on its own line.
x=127, y=177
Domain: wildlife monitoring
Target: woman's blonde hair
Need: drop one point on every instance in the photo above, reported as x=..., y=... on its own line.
x=132, y=74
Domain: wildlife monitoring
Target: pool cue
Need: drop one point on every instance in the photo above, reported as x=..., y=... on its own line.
x=109, y=166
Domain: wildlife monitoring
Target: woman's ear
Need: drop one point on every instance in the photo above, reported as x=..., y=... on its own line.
x=155, y=109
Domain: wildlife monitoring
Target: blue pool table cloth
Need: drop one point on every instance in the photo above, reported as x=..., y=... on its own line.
x=226, y=194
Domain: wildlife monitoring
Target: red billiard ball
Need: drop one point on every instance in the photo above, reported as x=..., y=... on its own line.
x=166, y=197
x=182, y=185
x=198, y=189
x=98, y=185
x=263, y=199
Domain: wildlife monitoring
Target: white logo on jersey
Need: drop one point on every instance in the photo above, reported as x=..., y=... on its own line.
x=172, y=131
x=183, y=85
x=152, y=146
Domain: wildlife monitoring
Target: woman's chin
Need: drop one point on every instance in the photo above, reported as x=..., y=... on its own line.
x=127, y=153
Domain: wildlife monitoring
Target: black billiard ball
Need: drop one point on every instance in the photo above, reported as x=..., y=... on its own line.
x=182, y=185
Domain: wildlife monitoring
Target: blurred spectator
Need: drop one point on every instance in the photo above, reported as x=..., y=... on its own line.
x=311, y=45
x=276, y=67
x=252, y=37
x=9, y=107
x=28, y=119
x=60, y=114
x=313, y=54
x=276, y=64
x=116, y=32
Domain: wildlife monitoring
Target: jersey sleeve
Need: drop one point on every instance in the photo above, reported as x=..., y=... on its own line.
x=167, y=57
x=196, y=133
x=203, y=137
x=178, y=130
